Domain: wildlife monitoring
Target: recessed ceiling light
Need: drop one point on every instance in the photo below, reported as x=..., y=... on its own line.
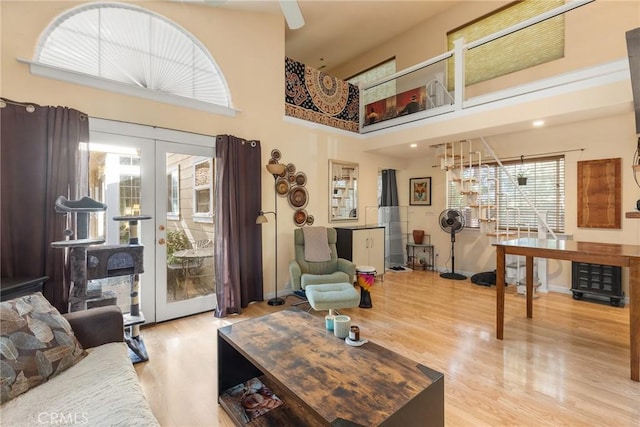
x=538, y=123
x=413, y=145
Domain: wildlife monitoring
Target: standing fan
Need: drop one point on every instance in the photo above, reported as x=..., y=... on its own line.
x=452, y=221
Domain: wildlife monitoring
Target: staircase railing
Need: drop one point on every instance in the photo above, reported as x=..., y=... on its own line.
x=538, y=214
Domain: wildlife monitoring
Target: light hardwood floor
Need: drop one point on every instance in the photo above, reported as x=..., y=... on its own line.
x=568, y=366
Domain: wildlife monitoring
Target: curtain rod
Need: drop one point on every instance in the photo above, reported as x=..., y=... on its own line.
x=522, y=156
x=29, y=107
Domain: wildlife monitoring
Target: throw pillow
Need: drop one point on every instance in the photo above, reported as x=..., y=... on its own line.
x=36, y=343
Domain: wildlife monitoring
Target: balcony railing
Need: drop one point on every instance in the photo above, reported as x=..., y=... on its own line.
x=429, y=89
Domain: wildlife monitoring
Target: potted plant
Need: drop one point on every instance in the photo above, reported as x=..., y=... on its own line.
x=177, y=240
x=522, y=177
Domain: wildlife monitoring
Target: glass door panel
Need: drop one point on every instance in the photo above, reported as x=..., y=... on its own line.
x=184, y=231
x=116, y=179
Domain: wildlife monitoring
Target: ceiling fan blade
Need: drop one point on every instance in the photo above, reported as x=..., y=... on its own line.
x=292, y=13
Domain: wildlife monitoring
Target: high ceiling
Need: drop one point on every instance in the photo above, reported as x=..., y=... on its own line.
x=336, y=31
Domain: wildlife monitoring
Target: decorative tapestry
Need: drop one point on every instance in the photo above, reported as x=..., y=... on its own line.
x=317, y=97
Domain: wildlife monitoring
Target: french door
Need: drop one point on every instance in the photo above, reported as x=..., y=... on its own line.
x=169, y=175
x=184, y=229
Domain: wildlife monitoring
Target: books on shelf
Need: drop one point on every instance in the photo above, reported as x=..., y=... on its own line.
x=248, y=400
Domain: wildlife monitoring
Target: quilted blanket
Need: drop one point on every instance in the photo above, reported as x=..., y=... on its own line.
x=101, y=390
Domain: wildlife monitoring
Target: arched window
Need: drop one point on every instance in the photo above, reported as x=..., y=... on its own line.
x=131, y=50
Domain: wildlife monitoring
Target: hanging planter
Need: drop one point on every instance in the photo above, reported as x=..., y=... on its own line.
x=522, y=172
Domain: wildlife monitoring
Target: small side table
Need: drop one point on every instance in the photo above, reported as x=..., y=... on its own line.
x=412, y=261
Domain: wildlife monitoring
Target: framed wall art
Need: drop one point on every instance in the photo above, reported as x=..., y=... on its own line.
x=420, y=191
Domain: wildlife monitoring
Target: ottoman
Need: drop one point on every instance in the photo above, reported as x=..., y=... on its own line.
x=332, y=296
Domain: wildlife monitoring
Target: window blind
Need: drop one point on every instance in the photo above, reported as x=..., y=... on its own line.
x=134, y=46
x=545, y=189
x=373, y=74
x=524, y=49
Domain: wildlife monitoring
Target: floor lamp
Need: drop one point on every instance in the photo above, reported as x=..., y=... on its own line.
x=275, y=169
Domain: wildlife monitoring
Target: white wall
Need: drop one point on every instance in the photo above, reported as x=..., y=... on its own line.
x=607, y=137
x=249, y=49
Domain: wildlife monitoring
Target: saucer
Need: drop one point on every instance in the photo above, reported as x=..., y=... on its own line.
x=355, y=343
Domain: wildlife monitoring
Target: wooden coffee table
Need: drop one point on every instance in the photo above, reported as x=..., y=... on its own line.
x=322, y=380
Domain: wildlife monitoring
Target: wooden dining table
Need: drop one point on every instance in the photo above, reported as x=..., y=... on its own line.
x=571, y=250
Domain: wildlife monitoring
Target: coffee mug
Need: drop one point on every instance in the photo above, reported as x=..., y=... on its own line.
x=341, y=325
x=328, y=321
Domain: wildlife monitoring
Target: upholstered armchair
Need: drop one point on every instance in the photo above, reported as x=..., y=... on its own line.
x=303, y=272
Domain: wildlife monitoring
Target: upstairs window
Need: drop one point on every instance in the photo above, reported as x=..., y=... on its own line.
x=131, y=45
x=374, y=74
x=523, y=49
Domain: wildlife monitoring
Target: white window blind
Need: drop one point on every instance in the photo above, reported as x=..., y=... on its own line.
x=373, y=74
x=545, y=189
x=132, y=45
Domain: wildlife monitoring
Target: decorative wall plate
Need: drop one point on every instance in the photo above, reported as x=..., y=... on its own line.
x=298, y=197
x=282, y=186
x=291, y=178
x=301, y=178
x=300, y=217
x=291, y=168
x=275, y=154
x=310, y=220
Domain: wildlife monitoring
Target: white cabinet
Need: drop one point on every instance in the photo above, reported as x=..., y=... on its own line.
x=363, y=246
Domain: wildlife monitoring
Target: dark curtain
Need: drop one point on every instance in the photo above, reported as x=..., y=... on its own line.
x=389, y=216
x=389, y=188
x=238, y=240
x=41, y=160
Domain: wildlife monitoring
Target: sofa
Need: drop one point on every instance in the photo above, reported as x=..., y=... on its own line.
x=99, y=388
